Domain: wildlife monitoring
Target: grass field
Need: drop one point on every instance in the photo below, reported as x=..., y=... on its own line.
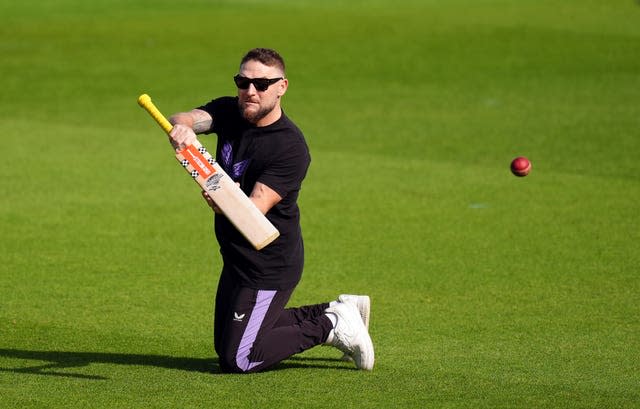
x=489, y=291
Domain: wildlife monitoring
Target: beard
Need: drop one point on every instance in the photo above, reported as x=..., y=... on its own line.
x=254, y=116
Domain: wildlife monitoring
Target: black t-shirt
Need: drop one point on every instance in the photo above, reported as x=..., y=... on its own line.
x=277, y=156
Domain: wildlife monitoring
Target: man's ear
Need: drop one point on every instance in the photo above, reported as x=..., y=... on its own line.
x=283, y=86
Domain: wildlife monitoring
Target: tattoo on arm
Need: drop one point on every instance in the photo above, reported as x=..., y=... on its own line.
x=198, y=120
x=202, y=121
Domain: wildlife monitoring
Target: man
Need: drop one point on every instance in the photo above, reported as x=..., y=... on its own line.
x=266, y=154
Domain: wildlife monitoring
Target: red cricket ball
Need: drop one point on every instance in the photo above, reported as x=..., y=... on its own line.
x=520, y=166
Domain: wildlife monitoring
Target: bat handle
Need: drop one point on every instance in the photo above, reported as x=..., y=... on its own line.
x=144, y=101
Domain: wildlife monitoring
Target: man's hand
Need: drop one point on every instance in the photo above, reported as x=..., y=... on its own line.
x=181, y=136
x=186, y=125
x=211, y=203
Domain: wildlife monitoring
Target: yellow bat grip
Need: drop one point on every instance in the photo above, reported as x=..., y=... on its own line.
x=144, y=101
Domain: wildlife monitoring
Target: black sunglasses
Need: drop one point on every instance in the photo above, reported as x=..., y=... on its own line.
x=261, y=84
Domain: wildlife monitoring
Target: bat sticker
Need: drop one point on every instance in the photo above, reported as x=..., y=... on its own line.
x=199, y=163
x=213, y=183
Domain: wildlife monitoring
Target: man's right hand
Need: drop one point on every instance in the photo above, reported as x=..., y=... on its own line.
x=186, y=125
x=181, y=136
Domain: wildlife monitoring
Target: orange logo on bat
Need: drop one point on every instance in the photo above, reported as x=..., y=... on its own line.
x=199, y=162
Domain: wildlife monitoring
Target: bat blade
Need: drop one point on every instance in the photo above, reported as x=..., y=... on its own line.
x=228, y=196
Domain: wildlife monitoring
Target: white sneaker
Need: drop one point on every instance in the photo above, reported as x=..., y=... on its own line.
x=350, y=335
x=361, y=302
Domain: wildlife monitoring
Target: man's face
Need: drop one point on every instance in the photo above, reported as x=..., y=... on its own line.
x=255, y=105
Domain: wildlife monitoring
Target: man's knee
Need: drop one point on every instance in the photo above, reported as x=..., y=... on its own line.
x=227, y=358
x=230, y=362
x=227, y=366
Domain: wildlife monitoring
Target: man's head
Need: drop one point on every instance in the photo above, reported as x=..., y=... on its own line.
x=266, y=56
x=261, y=83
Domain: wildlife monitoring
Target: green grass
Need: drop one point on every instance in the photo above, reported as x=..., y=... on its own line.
x=489, y=291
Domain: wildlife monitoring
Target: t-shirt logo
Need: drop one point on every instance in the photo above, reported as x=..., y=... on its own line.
x=235, y=170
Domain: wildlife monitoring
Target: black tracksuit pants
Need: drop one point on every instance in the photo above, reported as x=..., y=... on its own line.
x=253, y=330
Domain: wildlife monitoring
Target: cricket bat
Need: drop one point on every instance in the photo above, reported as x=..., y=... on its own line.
x=231, y=200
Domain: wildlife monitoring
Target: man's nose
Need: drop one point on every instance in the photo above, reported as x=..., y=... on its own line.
x=252, y=89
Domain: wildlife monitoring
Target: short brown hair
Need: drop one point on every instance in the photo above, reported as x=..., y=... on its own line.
x=266, y=56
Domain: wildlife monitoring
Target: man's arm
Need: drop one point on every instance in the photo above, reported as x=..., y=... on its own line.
x=264, y=197
x=186, y=125
x=198, y=120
